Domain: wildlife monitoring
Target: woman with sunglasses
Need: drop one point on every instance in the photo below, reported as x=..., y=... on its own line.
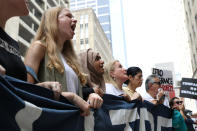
x=177, y=104
x=178, y=116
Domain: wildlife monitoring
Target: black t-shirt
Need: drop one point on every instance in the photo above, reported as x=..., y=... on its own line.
x=10, y=57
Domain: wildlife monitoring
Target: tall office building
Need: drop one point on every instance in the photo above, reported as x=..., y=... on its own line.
x=23, y=29
x=101, y=9
x=191, y=23
x=114, y=29
x=89, y=34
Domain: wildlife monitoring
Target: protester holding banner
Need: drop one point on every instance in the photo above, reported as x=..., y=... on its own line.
x=134, y=81
x=115, y=76
x=152, y=94
x=10, y=58
x=92, y=65
x=52, y=57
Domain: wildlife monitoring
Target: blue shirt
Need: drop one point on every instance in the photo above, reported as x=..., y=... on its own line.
x=178, y=122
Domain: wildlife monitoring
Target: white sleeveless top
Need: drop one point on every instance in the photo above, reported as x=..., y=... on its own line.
x=72, y=81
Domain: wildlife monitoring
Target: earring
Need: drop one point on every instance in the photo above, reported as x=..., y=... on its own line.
x=114, y=78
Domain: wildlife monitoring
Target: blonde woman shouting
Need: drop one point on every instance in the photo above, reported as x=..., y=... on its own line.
x=51, y=55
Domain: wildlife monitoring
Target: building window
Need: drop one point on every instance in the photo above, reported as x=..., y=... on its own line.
x=92, y=6
x=106, y=27
x=38, y=15
x=86, y=30
x=103, y=19
x=25, y=34
x=22, y=48
x=86, y=18
x=91, y=2
x=87, y=44
x=81, y=41
x=81, y=19
x=40, y=3
x=103, y=10
x=81, y=31
x=72, y=5
x=82, y=44
x=102, y=2
x=51, y=3
x=80, y=4
x=86, y=40
x=108, y=36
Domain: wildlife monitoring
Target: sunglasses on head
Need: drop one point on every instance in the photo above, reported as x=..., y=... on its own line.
x=179, y=102
x=158, y=83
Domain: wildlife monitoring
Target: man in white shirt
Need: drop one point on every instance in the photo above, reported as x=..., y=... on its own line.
x=152, y=94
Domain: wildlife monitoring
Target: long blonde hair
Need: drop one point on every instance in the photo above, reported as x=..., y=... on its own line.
x=107, y=75
x=47, y=33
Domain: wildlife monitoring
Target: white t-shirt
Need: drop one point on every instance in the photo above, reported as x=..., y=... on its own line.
x=72, y=81
x=148, y=97
x=111, y=89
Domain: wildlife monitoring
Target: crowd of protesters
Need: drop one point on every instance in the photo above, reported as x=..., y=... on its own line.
x=52, y=62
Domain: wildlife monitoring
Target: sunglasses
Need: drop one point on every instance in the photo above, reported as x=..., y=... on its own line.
x=179, y=102
x=158, y=83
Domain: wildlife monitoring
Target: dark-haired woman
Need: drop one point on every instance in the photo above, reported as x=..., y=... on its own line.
x=134, y=81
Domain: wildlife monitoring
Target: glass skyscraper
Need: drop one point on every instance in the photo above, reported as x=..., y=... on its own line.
x=101, y=9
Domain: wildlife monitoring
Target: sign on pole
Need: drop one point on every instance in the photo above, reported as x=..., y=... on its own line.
x=165, y=78
x=189, y=88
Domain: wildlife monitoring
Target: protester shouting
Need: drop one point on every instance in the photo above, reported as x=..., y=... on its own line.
x=10, y=59
x=52, y=57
